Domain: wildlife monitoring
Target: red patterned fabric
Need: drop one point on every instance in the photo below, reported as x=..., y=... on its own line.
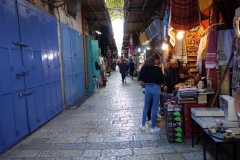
x=184, y=14
x=212, y=45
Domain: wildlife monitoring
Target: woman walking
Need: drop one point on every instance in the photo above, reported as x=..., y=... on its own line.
x=152, y=77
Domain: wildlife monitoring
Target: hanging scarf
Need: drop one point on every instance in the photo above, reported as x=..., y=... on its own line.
x=201, y=53
x=228, y=44
x=211, y=50
x=222, y=58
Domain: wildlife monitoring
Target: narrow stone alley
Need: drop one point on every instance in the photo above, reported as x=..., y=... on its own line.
x=105, y=127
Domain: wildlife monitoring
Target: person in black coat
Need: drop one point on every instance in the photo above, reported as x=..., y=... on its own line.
x=131, y=67
x=123, y=67
x=174, y=74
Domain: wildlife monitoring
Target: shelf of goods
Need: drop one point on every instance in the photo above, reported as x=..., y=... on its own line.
x=192, y=59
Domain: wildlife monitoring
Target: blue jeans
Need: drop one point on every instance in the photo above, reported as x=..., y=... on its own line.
x=152, y=91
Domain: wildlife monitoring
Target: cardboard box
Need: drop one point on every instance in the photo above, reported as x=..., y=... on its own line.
x=202, y=98
x=227, y=105
x=207, y=112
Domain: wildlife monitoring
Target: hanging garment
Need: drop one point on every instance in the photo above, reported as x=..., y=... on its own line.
x=184, y=14
x=179, y=49
x=221, y=56
x=172, y=35
x=131, y=49
x=204, y=4
x=211, y=50
x=104, y=41
x=228, y=44
x=201, y=53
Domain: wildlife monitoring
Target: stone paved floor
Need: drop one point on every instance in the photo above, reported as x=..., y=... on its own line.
x=105, y=127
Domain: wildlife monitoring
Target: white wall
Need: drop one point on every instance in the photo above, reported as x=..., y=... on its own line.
x=65, y=18
x=62, y=16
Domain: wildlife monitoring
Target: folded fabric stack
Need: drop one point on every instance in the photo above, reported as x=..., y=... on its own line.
x=188, y=95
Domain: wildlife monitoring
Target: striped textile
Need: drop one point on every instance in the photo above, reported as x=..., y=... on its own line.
x=211, y=50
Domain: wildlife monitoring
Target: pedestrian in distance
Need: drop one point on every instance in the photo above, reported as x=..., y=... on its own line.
x=123, y=67
x=131, y=67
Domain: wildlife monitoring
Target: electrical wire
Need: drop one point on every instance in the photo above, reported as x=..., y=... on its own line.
x=54, y=6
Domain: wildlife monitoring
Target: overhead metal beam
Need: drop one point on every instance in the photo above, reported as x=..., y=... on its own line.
x=96, y=19
x=90, y=10
x=139, y=8
x=135, y=21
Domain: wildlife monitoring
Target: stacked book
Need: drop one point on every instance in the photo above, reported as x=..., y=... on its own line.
x=188, y=95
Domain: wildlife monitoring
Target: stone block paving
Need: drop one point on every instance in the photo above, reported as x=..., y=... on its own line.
x=105, y=127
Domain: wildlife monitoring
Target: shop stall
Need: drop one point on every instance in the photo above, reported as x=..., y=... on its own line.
x=209, y=50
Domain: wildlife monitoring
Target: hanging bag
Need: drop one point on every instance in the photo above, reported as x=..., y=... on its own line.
x=97, y=66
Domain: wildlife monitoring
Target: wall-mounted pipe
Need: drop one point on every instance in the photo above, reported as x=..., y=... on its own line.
x=85, y=50
x=144, y=5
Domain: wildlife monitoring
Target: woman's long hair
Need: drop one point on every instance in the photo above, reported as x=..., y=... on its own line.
x=149, y=63
x=156, y=55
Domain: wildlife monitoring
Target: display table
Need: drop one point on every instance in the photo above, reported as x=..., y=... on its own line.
x=217, y=142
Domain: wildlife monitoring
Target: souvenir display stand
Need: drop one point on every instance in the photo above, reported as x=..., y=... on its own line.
x=173, y=119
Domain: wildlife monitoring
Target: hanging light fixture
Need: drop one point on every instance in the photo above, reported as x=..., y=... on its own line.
x=148, y=47
x=139, y=50
x=164, y=46
x=98, y=32
x=180, y=35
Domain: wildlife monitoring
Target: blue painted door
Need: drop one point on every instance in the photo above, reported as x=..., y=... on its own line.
x=12, y=106
x=82, y=67
x=30, y=65
x=1, y=139
x=29, y=16
x=90, y=64
x=72, y=50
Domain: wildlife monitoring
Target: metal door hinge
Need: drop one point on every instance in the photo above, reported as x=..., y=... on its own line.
x=25, y=93
x=20, y=44
x=76, y=76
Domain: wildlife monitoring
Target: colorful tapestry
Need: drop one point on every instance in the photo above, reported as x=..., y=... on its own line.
x=204, y=4
x=193, y=38
x=184, y=15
